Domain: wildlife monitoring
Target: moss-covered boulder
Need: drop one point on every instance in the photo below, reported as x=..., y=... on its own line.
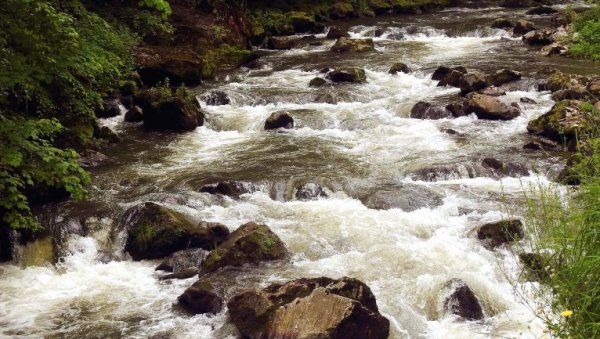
x=154, y=231
x=251, y=243
x=565, y=121
x=341, y=10
x=169, y=109
x=302, y=21
x=379, y=6
x=309, y=308
x=345, y=45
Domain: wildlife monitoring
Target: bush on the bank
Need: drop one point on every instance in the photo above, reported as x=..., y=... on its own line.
x=588, y=26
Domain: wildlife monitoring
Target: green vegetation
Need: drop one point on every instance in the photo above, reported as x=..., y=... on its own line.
x=587, y=26
x=58, y=60
x=566, y=237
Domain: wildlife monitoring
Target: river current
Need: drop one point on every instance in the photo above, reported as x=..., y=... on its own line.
x=356, y=141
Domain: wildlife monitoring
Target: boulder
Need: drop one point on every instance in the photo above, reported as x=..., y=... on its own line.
x=563, y=123
x=349, y=75
x=302, y=22
x=310, y=191
x=216, y=98
x=229, y=188
x=559, y=80
x=499, y=233
x=405, y=197
x=526, y=100
x=490, y=108
x=594, y=87
x=186, y=273
x=309, y=308
x=502, y=168
x=541, y=10
x=336, y=33
x=201, y=298
x=154, y=231
x=503, y=76
x=472, y=82
x=181, y=260
x=502, y=23
x=109, y=109
x=317, y=82
x=540, y=37
x=344, y=45
x=399, y=67
x=127, y=101
x=425, y=110
x=135, y=114
x=458, y=109
x=448, y=76
x=461, y=301
x=523, y=26
x=282, y=42
x=554, y=49
x=90, y=158
x=179, y=64
x=279, y=119
x=451, y=79
x=107, y=134
x=342, y=10
x=169, y=109
x=251, y=243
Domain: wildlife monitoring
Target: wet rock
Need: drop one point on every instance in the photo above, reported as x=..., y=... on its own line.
x=526, y=100
x=309, y=308
x=349, y=75
x=554, y=49
x=201, y=298
x=251, y=243
x=317, y=82
x=229, y=188
x=302, y=22
x=541, y=10
x=110, y=109
x=492, y=91
x=440, y=73
x=107, y=134
x=180, y=260
x=504, y=76
x=399, y=67
x=472, y=82
x=502, y=23
x=490, y=108
x=337, y=32
x=569, y=94
x=169, y=110
x=501, y=168
x=155, y=231
x=533, y=263
x=594, y=87
x=542, y=145
x=563, y=123
x=462, y=301
x=559, y=19
x=127, y=101
x=451, y=79
x=523, y=27
x=458, y=109
x=499, y=233
x=135, y=114
x=282, y=42
x=540, y=37
x=186, y=273
x=310, y=191
x=424, y=110
x=90, y=158
x=216, y=98
x=344, y=45
x=280, y=119
x=342, y=10
x=445, y=172
x=406, y=197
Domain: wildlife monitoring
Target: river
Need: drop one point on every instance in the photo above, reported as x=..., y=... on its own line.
x=358, y=143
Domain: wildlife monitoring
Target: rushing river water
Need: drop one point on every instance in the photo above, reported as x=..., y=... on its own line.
x=356, y=141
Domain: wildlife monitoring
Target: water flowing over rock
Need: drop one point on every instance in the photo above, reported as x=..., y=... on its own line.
x=216, y=98
x=181, y=260
x=336, y=33
x=282, y=42
x=424, y=110
x=251, y=243
x=278, y=120
x=201, y=298
x=310, y=191
x=405, y=197
x=499, y=233
x=317, y=82
x=490, y=108
x=345, y=45
x=155, y=231
x=501, y=168
x=309, y=308
x=462, y=301
x=228, y=188
x=348, y=75
x=110, y=109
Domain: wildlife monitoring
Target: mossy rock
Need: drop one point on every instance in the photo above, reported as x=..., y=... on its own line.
x=341, y=10
x=180, y=64
x=155, y=231
x=565, y=121
x=169, y=109
x=251, y=243
x=379, y=6
x=302, y=21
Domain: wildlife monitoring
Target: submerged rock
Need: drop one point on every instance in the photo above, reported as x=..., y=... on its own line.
x=201, y=298
x=216, y=98
x=462, y=302
x=344, y=45
x=280, y=119
x=309, y=308
x=406, y=197
x=424, y=110
x=155, y=231
x=251, y=243
x=317, y=82
x=499, y=233
x=310, y=191
x=349, y=75
x=500, y=168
